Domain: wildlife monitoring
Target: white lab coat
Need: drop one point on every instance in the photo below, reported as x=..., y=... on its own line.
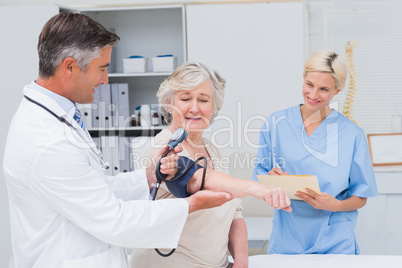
x=64, y=211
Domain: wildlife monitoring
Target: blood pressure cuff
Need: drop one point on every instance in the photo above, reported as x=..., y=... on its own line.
x=186, y=169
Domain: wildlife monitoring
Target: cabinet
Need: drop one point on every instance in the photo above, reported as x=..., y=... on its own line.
x=378, y=229
x=147, y=32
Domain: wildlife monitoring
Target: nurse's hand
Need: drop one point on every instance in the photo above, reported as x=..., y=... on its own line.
x=207, y=199
x=324, y=201
x=168, y=164
x=277, y=171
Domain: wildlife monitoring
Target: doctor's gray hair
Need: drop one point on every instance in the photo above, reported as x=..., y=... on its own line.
x=71, y=35
x=189, y=76
x=329, y=62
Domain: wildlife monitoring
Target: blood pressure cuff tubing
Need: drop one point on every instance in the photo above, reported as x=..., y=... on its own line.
x=186, y=169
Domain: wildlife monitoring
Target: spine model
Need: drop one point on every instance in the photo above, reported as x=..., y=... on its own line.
x=350, y=96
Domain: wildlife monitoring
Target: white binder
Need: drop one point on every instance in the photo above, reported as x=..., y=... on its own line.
x=86, y=112
x=123, y=106
x=95, y=108
x=115, y=104
x=107, y=153
x=105, y=113
x=124, y=153
x=114, y=145
x=97, y=142
x=139, y=147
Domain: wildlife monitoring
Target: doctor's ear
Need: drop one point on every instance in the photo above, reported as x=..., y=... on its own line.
x=68, y=64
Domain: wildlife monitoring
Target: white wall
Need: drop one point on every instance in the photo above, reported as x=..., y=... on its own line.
x=258, y=49
x=121, y=2
x=19, y=67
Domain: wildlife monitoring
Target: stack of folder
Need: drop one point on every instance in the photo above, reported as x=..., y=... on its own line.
x=110, y=108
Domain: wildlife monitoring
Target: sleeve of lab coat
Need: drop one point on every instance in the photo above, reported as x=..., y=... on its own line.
x=129, y=185
x=63, y=178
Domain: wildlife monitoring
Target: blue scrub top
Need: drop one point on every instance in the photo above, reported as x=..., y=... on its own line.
x=337, y=153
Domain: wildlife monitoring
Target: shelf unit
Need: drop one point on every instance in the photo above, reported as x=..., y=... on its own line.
x=127, y=132
x=147, y=31
x=112, y=75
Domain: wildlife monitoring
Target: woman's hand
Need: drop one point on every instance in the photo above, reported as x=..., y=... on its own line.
x=324, y=201
x=275, y=197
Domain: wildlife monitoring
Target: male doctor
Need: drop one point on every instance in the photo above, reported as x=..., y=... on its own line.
x=64, y=211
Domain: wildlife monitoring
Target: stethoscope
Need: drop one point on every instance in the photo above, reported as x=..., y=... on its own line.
x=105, y=165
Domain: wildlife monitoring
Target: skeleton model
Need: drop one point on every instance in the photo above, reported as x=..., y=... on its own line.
x=350, y=96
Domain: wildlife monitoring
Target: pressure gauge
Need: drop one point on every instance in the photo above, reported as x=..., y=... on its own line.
x=178, y=136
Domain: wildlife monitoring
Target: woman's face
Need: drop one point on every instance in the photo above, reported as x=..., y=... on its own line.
x=318, y=90
x=192, y=109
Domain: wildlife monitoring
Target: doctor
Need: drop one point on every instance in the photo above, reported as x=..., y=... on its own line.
x=64, y=211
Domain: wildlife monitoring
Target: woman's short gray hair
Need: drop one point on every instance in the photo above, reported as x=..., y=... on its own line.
x=329, y=62
x=189, y=76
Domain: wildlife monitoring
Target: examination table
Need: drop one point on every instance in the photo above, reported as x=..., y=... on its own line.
x=325, y=261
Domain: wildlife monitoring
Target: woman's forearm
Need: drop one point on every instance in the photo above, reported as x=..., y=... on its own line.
x=238, y=188
x=218, y=181
x=238, y=242
x=352, y=203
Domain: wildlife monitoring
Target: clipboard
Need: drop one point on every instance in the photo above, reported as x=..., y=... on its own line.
x=291, y=183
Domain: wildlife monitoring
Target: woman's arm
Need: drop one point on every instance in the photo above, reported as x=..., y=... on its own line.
x=326, y=201
x=238, y=188
x=238, y=243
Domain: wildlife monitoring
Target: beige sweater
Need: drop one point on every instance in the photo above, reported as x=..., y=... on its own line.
x=204, y=240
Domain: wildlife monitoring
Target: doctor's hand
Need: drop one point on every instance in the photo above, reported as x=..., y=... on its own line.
x=168, y=164
x=324, y=201
x=207, y=199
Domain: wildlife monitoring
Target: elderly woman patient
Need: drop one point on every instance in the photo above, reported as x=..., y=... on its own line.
x=190, y=97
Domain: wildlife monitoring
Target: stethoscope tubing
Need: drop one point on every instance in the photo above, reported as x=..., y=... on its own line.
x=104, y=164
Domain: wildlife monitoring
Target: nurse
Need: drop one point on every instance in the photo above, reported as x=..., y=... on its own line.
x=313, y=139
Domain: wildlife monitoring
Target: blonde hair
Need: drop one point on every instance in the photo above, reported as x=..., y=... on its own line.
x=189, y=76
x=329, y=62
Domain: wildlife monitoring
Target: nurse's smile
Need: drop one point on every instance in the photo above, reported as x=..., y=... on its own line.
x=312, y=101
